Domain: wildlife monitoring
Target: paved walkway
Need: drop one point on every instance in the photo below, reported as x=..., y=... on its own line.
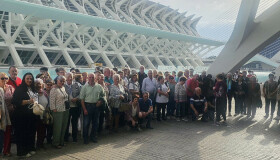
x=257, y=139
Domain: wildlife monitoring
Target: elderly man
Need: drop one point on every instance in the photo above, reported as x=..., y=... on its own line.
x=14, y=80
x=107, y=72
x=198, y=105
x=92, y=95
x=146, y=109
x=60, y=72
x=149, y=85
x=141, y=76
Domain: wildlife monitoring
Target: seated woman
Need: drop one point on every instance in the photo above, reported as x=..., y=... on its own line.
x=133, y=114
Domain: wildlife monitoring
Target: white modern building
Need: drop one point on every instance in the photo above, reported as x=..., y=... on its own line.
x=79, y=33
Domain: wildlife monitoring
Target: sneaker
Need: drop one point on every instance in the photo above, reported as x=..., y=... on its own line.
x=32, y=152
x=277, y=118
x=26, y=156
x=185, y=120
x=229, y=114
x=178, y=119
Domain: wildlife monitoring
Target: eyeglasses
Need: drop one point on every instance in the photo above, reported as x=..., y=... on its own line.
x=4, y=78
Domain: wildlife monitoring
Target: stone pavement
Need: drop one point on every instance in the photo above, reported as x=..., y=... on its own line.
x=243, y=139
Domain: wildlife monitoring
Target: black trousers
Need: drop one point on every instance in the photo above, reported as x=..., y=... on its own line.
x=221, y=105
x=74, y=114
x=161, y=107
x=25, y=130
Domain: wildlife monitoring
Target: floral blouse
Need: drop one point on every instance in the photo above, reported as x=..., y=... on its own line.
x=58, y=96
x=115, y=93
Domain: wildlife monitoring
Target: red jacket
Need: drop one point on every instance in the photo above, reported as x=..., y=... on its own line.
x=15, y=83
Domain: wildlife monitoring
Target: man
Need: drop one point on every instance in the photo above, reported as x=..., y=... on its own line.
x=85, y=77
x=108, y=81
x=60, y=72
x=43, y=70
x=270, y=92
x=149, y=85
x=203, y=83
x=141, y=76
x=14, y=80
x=92, y=95
x=191, y=85
x=187, y=74
x=146, y=109
x=198, y=105
x=191, y=73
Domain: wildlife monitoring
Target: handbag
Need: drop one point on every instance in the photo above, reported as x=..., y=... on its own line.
x=38, y=109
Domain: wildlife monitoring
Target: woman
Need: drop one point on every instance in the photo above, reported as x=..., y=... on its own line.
x=6, y=92
x=8, y=95
x=60, y=112
x=171, y=102
x=179, y=74
x=155, y=74
x=229, y=83
x=116, y=97
x=43, y=99
x=162, y=97
x=133, y=114
x=220, y=91
x=73, y=90
x=48, y=86
x=180, y=97
x=104, y=107
x=133, y=86
x=25, y=127
x=253, y=97
x=239, y=88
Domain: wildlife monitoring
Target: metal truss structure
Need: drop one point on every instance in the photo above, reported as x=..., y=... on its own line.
x=153, y=35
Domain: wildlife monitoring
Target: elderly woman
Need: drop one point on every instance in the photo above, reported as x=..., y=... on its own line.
x=48, y=86
x=116, y=96
x=73, y=90
x=25, y=126
x=6, y=108
x=43, y=99
x=60, y=112
x=180, y=96
x=133, y=86
x=161, y=98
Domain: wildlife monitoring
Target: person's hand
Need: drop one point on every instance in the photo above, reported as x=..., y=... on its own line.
x=74, y=100
x=107, y=84
x=121, y=97
x=133, y=123
x=31, y=101
x=196, y=113
x=85, y=112
x=98, y=104
x=205, y=109
x=55, y=110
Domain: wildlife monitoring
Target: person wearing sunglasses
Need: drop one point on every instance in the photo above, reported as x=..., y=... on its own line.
x=6, y=113
x=14, y=80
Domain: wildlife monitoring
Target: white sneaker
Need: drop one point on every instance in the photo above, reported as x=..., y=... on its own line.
x=178, y=119
x=277, y=118
x=185, y=119
x=25, y=156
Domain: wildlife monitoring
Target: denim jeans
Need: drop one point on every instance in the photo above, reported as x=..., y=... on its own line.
x=171, y=107
x=267, y=104
x=180, y=109
x=92, y=117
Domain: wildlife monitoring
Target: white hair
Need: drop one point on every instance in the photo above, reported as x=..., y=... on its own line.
x=69, y=74
x=116, y=75
x=39, y=80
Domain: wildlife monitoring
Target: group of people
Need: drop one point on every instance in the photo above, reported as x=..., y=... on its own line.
x=109, y=98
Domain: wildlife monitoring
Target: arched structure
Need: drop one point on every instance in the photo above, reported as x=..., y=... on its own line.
x=249, y=37
x=112, y=32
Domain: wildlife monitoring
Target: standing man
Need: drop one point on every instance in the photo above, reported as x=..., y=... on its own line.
x=141, y=76
x=270, y=92
x=92, y=95
x=149, y=85
x=14, y=80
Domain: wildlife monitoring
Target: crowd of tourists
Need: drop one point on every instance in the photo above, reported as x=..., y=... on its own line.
x=110, y=98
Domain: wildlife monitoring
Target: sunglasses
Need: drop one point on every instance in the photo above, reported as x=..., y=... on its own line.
x=4, y=78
